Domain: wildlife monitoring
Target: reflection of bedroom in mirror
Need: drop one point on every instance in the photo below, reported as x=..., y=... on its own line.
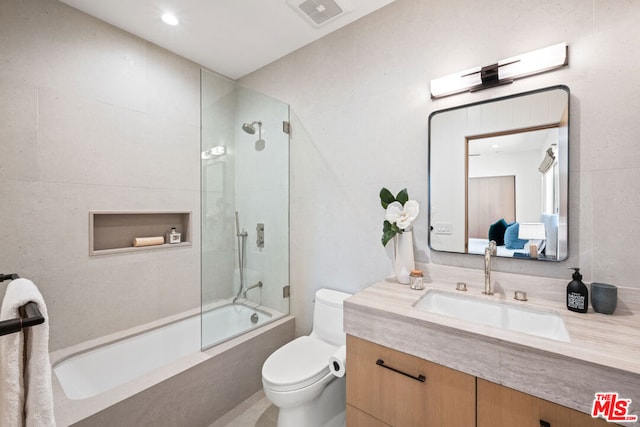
x=498, y=171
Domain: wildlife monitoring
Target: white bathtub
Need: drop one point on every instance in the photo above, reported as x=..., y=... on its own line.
x=102, y=368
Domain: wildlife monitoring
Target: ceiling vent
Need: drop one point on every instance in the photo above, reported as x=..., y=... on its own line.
x=320, y=12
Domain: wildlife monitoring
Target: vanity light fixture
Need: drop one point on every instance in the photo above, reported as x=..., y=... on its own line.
x=502, y=72
x=170, y=19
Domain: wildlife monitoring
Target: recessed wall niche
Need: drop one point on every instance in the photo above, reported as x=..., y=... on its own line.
x=113, y=232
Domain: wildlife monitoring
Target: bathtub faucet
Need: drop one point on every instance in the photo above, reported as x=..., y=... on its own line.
x=257, y=285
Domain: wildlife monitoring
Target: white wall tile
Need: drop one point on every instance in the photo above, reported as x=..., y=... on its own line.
x=18, y=131
x=172, y=87
x=86, y=123
x=49, y=242
x=86, y=141
x=616, y=224
x=68, y=50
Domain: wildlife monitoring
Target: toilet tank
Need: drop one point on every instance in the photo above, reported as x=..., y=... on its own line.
x=327, y=316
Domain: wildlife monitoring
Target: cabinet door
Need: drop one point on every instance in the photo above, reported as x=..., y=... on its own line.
x=500, y=406
x=357, y=418
x=384, y=383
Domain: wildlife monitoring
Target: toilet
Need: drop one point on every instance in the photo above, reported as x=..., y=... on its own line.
x=296, y=377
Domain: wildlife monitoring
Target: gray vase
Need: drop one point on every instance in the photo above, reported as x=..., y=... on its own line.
x=604, y=297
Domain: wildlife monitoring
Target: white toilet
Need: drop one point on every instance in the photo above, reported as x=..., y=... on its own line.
x=296, y=377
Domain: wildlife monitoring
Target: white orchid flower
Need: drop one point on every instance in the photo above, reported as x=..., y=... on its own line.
x=403, y=216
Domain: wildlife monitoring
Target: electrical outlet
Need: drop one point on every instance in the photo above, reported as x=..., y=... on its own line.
x=443, y=228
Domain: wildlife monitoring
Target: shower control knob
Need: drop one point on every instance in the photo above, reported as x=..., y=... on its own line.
x=260, y=235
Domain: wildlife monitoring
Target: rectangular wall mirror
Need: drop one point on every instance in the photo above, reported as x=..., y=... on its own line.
x=498, y=170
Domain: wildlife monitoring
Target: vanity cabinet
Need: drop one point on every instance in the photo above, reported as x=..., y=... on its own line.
x=502, y=406
x=400, y=390
x=357, y=418
x=384, y=388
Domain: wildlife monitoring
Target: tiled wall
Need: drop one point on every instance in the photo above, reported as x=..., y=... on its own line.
x=92, y=118
x=361, y=99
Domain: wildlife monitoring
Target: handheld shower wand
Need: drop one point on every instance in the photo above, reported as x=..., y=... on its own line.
x=242, y=255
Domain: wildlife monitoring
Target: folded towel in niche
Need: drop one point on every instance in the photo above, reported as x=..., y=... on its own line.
x=26, y=397
x=148, y=241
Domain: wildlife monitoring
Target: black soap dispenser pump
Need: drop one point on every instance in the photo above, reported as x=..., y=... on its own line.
x=577, y=293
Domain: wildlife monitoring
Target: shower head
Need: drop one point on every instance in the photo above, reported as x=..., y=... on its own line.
x=250, y=128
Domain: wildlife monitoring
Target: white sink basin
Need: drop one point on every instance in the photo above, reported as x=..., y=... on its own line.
x=494, y=313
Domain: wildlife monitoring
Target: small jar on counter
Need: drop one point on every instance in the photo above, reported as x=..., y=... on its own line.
x=415, y=280
x=173, y=236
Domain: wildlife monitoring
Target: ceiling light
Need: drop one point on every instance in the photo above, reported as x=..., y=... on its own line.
x=170, y=19
x=503, y=72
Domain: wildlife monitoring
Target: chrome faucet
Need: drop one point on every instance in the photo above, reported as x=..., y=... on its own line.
x=491, y=249
x=257, y=285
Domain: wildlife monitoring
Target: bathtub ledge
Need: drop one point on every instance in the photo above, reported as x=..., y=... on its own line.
x=68, y=411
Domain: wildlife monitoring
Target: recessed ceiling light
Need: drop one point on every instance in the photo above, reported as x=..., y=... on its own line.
x=170, y=18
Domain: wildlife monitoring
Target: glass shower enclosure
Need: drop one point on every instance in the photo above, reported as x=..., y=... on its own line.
x=244, y=209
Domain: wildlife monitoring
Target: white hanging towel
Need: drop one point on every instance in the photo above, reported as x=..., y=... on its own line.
x=26, y=397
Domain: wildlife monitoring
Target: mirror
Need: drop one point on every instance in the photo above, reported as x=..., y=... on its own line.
x=499, y=169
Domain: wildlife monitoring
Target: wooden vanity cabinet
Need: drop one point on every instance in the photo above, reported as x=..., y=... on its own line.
x=388, y=394
x=385, y=384
x=357, y=418
x=500, y=406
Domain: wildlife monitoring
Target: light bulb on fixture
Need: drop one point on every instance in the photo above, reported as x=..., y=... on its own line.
x=170, y=19
x=502, y=72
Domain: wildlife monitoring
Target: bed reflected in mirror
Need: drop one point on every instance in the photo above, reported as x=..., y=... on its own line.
x=498, y=171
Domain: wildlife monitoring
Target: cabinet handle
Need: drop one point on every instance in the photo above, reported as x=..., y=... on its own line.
x=420, y=377
x=544, y=423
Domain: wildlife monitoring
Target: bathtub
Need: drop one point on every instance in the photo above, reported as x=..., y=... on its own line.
x=98, y=370
x=106, y=372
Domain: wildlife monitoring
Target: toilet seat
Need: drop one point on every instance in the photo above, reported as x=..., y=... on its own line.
x=298, y=364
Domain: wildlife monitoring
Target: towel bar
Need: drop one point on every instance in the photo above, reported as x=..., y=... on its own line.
x=29, y=314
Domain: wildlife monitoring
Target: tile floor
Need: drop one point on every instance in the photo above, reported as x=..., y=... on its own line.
x=256, y=411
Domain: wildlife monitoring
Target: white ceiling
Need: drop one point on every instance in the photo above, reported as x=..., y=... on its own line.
x=537, y=140
x=232, y=37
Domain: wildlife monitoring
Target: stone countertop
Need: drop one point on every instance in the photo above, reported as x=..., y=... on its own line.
x=603, y=354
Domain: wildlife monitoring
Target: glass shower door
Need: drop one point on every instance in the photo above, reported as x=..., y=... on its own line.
x=245, y=209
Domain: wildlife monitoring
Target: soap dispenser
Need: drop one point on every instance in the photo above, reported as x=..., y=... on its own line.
x=577, y=293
